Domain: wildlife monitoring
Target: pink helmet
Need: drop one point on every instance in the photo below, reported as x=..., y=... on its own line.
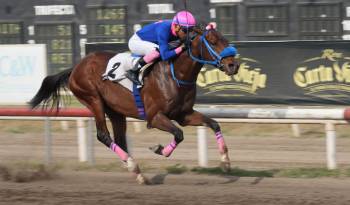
x=184, y=18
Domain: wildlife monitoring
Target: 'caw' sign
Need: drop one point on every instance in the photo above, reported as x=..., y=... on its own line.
x=22, y=69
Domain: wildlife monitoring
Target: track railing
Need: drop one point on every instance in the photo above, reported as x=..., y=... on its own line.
x=329, y=117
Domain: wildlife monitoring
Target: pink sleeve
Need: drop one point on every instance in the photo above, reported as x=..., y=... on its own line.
x=178, y=50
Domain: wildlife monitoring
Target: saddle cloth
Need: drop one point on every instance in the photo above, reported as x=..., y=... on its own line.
x=117, y=67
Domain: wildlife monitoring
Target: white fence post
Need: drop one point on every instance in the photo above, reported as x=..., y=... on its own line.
x=137, y=127
x=64, y=125
x=90, y=142
x=331, y=145
x=329, y=117
x=202, y=146
x=296, y=130
x=82, y=140
x=295, y=127
x=48, y=141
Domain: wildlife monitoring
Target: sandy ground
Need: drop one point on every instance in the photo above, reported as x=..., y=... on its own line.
x=273, y=149
x=119, y=188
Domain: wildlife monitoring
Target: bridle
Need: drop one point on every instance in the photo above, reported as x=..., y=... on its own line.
x=217, y=58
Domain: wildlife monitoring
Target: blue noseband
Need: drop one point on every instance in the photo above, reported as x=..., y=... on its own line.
x=228, y=51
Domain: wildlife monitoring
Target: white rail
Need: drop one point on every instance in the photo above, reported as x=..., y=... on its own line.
x=328, y=117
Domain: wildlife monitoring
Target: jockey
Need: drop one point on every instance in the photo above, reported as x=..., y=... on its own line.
x=152, y=41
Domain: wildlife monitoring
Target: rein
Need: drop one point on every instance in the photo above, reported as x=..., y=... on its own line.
x=217, y=58
x=179, y=82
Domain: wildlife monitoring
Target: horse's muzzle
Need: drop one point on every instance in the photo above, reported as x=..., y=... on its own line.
x=231, y=68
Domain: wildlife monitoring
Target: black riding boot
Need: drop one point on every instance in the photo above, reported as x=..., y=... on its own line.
x=133, y=74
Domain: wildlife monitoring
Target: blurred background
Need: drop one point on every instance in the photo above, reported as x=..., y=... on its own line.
x=66, y=25
x=308, y=63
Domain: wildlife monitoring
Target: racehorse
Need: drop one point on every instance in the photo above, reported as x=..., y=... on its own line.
x=168, y=94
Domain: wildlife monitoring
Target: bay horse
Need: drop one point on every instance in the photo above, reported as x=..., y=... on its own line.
x=168, y=94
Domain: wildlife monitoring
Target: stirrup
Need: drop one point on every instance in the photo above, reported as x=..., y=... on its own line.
x=133, y=77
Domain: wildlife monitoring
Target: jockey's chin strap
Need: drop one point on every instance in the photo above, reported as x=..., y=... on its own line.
x=217, y=58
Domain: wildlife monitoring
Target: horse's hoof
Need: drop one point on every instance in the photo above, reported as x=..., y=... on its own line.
x=142, y=180
x=157, y=149
x=225, y=166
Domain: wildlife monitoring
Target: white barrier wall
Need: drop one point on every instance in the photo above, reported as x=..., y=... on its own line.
x=22, y=69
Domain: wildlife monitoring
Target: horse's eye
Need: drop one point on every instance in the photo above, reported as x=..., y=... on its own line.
x=213, y=42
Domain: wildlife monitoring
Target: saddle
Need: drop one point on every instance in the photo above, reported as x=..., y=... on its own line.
x=122, y=62
x=118, y=66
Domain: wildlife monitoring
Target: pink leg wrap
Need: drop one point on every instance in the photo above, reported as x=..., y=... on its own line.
x=119, y=151
x=151, y=56
x=169, y=149
x=221, y=142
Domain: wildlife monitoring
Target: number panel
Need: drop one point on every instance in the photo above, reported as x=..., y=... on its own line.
x=59, y=40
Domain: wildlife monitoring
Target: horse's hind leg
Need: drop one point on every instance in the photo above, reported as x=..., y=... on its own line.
x=118, y=122
x=119, y=130
x=161, y=122
x=198, y=119
x=95, y=105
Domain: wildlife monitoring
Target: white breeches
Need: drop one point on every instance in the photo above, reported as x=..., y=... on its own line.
x=141, y=47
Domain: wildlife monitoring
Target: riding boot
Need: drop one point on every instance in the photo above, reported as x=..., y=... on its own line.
x=133, y=74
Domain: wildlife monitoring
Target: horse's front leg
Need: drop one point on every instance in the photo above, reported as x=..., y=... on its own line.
x=162, y=122
x=198, y=119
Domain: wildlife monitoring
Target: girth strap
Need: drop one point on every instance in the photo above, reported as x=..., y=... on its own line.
x=138, y=100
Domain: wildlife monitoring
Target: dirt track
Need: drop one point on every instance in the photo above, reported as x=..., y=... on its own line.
x=95, y=187
x=119, y=188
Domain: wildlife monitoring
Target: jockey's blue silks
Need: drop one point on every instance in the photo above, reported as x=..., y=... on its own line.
x=160, y=34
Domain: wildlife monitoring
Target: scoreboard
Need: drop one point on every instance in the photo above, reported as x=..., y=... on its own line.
x=58, y=38
x=65, y=26
x=107, y=24
x=11, y=33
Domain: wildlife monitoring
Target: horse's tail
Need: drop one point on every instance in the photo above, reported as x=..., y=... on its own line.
x=50, y=90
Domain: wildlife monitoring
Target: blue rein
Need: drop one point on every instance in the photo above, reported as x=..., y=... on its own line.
x=217, y=58
x=179, y=82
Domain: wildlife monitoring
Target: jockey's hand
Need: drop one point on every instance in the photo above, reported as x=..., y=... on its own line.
x=180, y=49
x=184, y=47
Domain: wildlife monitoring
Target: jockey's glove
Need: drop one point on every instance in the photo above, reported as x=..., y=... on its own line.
x=184, y=46
x=178, y=50
x=181, y=48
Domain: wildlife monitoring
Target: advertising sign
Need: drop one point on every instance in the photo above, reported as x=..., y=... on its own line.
x=277, y=72
x=292, y=72
x=22, y=69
